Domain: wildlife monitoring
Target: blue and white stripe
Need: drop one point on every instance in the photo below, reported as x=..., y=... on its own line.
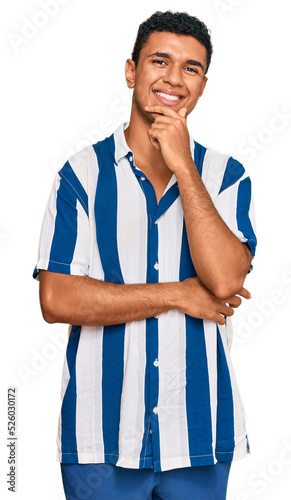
x=160, y=392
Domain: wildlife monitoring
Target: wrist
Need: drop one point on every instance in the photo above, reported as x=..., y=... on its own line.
x=171, y=294
x=185, y=169
x=177, y=293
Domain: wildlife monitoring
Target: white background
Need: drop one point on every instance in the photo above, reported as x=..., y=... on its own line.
x=63, y=87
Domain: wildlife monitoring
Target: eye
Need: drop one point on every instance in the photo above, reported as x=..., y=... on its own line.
x=159, y=62
x=190, y=69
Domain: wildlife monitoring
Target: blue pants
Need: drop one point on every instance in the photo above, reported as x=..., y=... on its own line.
x=107, y=481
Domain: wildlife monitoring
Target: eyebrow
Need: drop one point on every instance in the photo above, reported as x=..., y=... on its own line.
x=192, y=62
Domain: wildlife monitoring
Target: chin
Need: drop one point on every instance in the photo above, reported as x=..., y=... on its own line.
x=150, y=116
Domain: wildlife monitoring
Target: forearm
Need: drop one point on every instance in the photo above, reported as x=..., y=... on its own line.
x=81, y=300
x=220, y=259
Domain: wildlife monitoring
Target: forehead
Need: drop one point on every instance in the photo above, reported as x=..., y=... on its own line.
x=177, y=46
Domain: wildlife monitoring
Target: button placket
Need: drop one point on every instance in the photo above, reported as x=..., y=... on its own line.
x=152, y=277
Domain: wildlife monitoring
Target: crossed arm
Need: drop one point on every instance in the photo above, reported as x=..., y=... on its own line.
x=80, y=300
x=87, y=301
x=220, y=259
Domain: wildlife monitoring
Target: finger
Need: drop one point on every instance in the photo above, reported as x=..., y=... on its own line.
x=245, y=293
x=165, y=128
x=182, y=112
x=161, y=125
x=153, y=139
x=234, y=301
x=158, y=133
x=221, y=320
x=162, y=110
x=155, y=143
x=226, y=310
x=167, y=119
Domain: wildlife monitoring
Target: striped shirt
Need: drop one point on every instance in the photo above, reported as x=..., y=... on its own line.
x=159, y=392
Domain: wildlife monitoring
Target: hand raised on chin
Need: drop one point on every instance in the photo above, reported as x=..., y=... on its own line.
x=169, y=133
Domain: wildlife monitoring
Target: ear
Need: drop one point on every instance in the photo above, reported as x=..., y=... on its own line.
x=130, y=73
x=203, y=86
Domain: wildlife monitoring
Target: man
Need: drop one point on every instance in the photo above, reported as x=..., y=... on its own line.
x=145, y=245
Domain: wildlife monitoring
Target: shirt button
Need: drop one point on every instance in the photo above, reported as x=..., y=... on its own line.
x=151, y=431
x=155, y=410
x=156, y=266
x=130, y=158
x=156, y=362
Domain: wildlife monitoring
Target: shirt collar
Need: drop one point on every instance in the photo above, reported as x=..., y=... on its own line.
x=121, y=146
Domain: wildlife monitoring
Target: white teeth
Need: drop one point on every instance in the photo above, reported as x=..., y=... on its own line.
x=168, y=96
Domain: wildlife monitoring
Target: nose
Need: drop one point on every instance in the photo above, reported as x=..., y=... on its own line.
x=173, y=75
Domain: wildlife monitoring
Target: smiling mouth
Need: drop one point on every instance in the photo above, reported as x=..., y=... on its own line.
x=169, y=97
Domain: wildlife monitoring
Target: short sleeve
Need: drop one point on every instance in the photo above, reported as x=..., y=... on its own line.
x=64, y=245
x=235, y=203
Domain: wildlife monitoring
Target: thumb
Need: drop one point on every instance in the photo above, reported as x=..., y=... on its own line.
x=182, y=112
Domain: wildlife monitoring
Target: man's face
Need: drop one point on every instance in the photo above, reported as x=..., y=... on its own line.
x=170, y=72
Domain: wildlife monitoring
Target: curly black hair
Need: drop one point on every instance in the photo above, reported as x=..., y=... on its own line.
x=179, y=23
